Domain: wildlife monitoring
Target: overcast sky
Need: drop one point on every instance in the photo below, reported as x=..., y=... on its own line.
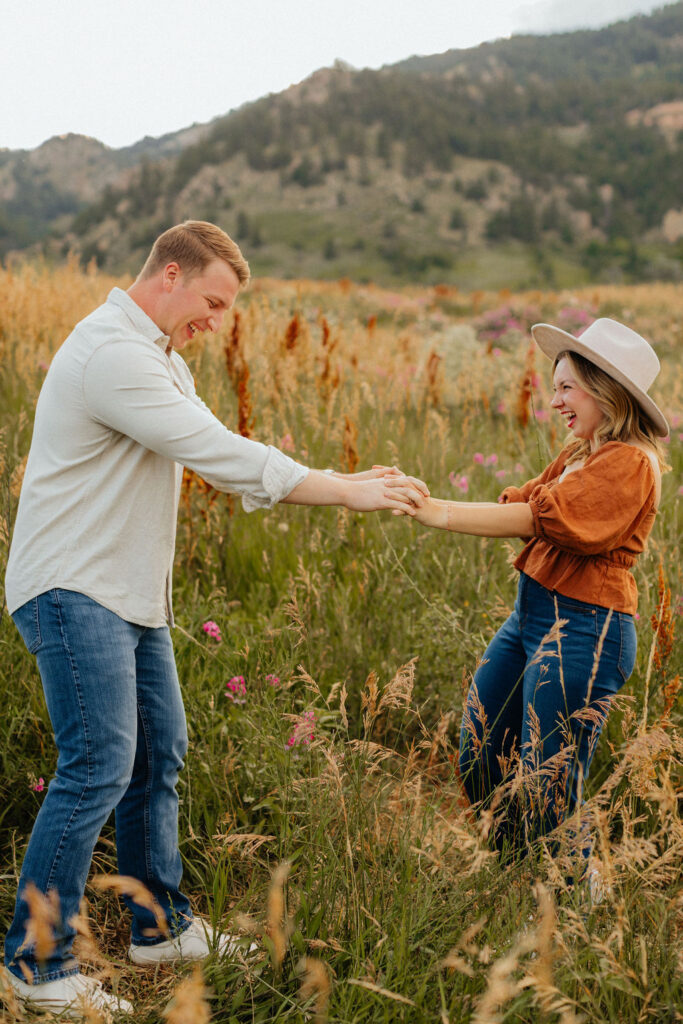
x=119, y=71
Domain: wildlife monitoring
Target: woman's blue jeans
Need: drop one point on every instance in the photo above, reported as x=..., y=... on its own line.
x=536, y=707
x=114, y=701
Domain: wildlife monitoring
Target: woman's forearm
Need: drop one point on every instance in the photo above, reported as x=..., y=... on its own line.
x=479, y=518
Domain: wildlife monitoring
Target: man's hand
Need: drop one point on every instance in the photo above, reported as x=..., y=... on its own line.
x=404, y=496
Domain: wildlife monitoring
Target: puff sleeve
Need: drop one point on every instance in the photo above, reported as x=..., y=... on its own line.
x=517, y=494
x=598, y=507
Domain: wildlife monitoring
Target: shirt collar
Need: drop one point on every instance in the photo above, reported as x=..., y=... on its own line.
x=137, y=316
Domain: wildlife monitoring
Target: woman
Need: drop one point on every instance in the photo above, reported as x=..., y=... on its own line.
x=542, y=691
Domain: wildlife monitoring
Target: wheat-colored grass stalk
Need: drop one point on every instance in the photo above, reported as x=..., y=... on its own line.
x=189, y=1004
x=125, y=885
x=43, y=918
x=277, y=926
x=315, y=983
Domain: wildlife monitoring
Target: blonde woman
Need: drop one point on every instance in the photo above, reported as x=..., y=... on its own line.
x=544, y=685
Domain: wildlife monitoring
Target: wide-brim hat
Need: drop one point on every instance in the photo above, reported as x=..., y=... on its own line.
x=618, y=351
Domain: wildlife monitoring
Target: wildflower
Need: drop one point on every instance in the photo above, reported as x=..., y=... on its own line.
x=303, y=731
x=236, y=690
x=675, y=419
x=519, y=468
x=496, y=352
x=273, y=680
x=542, y=415
x=680, y=492
x=478, y=458
x=38, y=786
x=500, y=407
x=460, y=482
x=212, y=629
x=501, y=474
x=492, y=459
x=286, y=443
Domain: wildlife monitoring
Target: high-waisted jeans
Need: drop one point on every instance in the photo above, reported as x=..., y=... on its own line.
x=536, y=707
x=114, y=701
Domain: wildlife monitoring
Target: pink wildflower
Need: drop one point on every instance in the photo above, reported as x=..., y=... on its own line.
x=39, y=786
x=500, y=407
x=496, y=352
x=460, y=482
x=519, y=468
x=492, y=459
x=303, y=731
x=501, y=474
x=478, y=458
x=286, y=443
x=236, y=690
x=680, y=492
x=212, y=629
x=675, y=419
x=535, y=380
x=542, y=415
x=273, y=680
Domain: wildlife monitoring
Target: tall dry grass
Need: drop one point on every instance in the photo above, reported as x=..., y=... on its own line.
x=324, y=814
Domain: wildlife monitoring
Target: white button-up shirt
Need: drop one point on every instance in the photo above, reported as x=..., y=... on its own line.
x=117, y=419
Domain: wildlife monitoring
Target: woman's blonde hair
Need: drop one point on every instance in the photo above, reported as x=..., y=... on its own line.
x=625, y=419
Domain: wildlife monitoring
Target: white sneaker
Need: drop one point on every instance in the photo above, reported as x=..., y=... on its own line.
x=192, y=944
x=71, y=996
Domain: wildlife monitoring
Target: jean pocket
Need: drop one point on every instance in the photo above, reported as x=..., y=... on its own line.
x=628, y=646
x=27, y=621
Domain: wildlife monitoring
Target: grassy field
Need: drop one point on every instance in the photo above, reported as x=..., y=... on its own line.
x=321, y=808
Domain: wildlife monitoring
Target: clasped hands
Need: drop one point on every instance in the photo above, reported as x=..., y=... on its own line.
x=387, y=487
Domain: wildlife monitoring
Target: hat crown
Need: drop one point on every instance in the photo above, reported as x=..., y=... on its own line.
x=624, y=349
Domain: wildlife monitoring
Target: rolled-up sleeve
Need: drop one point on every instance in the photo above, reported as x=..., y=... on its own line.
x=597, y=508
x=127, y=387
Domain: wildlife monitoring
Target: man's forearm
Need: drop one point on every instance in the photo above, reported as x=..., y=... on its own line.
x=320, y=488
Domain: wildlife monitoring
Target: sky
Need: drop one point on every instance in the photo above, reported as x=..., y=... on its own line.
x=120, y=71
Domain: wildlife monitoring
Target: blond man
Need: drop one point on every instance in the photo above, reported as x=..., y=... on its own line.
x=89, y=587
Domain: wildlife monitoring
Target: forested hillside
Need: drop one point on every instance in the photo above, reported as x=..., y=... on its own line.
x=533, y=160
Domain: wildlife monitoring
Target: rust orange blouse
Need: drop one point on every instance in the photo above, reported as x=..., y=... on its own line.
x=591, y=526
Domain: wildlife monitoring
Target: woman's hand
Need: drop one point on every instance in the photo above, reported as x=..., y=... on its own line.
x=378, y=472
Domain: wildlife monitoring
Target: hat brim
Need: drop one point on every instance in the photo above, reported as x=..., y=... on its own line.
x=553, y=340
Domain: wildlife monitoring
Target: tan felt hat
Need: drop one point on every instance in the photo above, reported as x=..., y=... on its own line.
x=618, y=351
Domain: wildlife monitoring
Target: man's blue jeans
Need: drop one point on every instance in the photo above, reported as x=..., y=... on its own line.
x=114, y=701
x=536, y=707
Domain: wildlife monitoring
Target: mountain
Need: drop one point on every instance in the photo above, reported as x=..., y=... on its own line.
x=532, y=160
x=41, y=189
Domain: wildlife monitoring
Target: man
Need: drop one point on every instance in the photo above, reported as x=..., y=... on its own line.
x=89, y=587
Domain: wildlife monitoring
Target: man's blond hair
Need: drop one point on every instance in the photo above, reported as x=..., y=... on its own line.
x=193, y=245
